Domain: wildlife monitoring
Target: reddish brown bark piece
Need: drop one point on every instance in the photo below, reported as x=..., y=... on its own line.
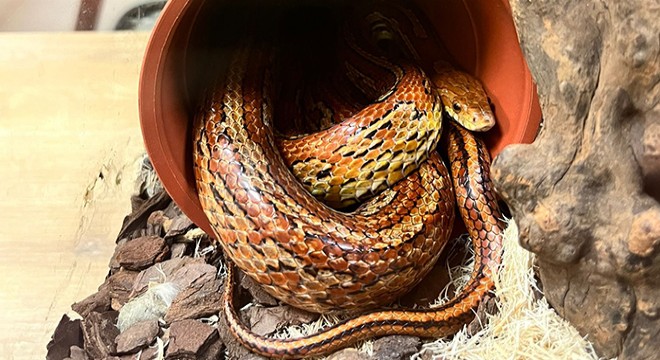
x=265, y=321
x=137, y=336
x=235, y=350
x=172, y=211
x=142, y=252
x=348, y=354
x=119, y=286
x=179, y=226
x=114, y=263
x=585, y=193
x=150, y=353
x=178, y=250
x=161, y=272
x=214, y=351
x=99, y=332
x=189, y=338
x=487, y=307
x=68, y=333
x=395, y=347
x=199, y=299
x=156, y=223
x=136, y=223
x=194, y=274
x=99, y=302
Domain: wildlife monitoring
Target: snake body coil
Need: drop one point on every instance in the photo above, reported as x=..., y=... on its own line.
x=301, y=251
x=313, y=257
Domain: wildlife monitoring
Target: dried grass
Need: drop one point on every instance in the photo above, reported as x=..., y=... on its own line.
x=524, y=327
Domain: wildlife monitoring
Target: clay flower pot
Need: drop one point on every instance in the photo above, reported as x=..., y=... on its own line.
x=479, y=34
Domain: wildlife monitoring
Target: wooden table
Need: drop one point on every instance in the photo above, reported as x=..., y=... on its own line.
x=70, y=148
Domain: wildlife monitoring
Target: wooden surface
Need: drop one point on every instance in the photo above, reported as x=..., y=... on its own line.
x=68, y=113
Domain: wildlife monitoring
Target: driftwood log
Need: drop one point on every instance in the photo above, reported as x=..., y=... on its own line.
x=586, y=193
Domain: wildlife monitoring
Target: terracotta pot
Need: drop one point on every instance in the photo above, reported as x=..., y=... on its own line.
x=479, y=34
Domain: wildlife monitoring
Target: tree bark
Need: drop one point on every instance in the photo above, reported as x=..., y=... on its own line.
x=585, y=193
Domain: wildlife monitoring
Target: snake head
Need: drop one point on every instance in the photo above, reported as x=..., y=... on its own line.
x=465, y=100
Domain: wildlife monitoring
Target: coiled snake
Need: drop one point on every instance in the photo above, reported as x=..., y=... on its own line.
x=316, y=258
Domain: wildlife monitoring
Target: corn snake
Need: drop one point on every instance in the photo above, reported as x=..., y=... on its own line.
x=315, y=258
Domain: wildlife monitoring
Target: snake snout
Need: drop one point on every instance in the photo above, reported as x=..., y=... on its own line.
x=484, y=122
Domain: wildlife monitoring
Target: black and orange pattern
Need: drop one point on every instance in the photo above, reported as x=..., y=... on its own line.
x=313, y=257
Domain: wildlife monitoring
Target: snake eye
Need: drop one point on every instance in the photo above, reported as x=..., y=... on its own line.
x=456, y=107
